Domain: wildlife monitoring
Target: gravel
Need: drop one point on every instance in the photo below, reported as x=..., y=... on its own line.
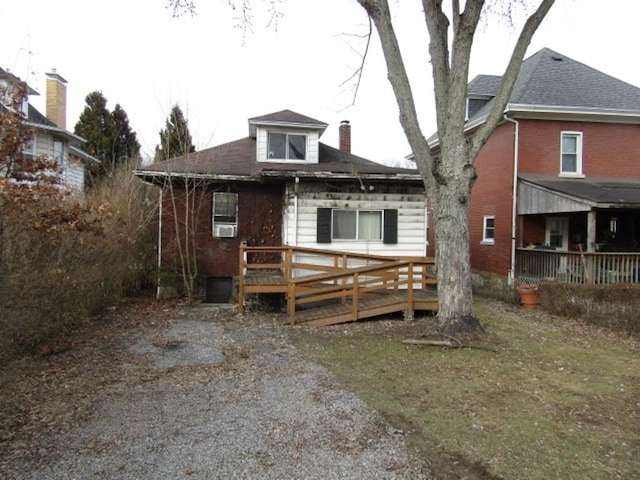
x=211, y=395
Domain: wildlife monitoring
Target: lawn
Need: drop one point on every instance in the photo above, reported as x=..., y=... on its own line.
x=547, y=397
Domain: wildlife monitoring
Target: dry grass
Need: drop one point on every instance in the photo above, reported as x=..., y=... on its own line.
x=557, y=400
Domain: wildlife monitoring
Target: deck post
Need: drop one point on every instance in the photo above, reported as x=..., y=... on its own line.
x=291, y=301
x=408, y=314
x=241, y=279
x=355, y=301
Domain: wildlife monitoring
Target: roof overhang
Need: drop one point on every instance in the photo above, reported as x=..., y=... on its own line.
x=546, y=194
x=254, y=124
x=153, y=176
x=57, y=130
x=546, y=112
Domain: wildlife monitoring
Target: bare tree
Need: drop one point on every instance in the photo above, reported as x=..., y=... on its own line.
x=183, y=200
x=449, y=175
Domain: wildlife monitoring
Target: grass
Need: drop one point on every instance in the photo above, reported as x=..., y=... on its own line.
x=557, y=400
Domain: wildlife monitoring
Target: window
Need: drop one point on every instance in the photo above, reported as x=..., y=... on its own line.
x=287, y=146
x=488, y=229
x=571, y=153
x=357, y=225
x=57, y=151
x=225, y=214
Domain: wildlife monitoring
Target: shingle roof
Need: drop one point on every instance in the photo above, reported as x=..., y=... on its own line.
x=286, y=116
x=238, y=158
x=551, y=79
x=606, y=191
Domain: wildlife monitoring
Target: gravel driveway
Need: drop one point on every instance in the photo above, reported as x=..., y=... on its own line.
x=207, y=394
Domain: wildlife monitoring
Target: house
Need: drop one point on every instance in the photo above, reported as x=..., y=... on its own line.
x=51, y=139
x=281, y=186
x=559, y=179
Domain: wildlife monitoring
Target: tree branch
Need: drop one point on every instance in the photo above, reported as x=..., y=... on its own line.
x=480, y=137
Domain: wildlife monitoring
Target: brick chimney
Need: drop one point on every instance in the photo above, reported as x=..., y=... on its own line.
x=345, y=136
x=57, y=99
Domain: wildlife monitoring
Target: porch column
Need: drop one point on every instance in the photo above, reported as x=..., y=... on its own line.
x=591, y=231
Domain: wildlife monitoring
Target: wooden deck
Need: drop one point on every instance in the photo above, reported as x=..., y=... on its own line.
x=323, y=287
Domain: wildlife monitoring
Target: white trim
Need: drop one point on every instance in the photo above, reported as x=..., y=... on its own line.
x=486, y=240
x=579, y=141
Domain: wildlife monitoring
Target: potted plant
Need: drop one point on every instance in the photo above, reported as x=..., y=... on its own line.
x=528, y=295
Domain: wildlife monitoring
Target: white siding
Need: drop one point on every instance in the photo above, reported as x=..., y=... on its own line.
x=73, y=175
x=302, y=231
x=73, y=169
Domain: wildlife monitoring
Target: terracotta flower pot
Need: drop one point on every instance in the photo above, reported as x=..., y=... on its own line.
x=529, y=296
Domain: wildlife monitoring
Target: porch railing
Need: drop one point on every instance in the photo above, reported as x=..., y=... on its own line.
x=578, y=267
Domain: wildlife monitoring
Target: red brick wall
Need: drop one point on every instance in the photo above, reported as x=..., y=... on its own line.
x=492, y=195
x=259, y=223
x=607, y=149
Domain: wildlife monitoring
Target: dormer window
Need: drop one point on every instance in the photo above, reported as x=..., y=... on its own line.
x=286, y=146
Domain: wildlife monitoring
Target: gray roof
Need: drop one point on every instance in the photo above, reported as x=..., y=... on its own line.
x=238, y=159
x=603, y=191
x=551, y=79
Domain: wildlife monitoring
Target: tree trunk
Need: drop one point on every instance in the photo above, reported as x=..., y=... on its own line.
x=451, y=218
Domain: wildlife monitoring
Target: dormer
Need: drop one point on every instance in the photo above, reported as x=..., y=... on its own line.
x=286, y=137
x=480, y=91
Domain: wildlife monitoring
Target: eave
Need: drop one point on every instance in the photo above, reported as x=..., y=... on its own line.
x=60, y=131
x=580, y=114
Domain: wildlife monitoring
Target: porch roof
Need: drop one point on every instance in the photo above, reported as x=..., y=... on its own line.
x=553, y=194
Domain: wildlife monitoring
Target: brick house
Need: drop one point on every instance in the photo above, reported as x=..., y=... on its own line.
x=281, y=186
x=561, y=173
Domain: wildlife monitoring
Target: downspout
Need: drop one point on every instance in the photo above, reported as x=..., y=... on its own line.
x=295, y=212
x=514, y=200
x=158, y=287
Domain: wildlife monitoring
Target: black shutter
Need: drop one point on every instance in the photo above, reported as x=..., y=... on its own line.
x=323, y=234
x=390, y=227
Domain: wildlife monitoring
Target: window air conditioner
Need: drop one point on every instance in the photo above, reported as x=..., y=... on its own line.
x=224, y=231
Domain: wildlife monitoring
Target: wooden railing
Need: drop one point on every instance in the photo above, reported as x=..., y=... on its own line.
x=578, y=267
x=313, y=276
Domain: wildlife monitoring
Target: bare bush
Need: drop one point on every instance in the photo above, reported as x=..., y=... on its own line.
x=612, y=306
x=63, y=259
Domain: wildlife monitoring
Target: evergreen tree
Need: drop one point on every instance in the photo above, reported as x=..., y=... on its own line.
x=126, y=144
x=108, y=135
x=175, y=139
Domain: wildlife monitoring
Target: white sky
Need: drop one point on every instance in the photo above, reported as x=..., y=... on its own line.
x=137, y=55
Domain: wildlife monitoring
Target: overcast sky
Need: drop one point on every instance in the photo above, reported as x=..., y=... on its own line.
x=139, y=56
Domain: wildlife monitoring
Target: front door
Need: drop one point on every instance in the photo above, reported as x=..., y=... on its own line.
x=557, y=234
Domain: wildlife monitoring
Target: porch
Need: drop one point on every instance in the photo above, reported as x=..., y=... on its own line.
x=533, y=265
x=324, y=287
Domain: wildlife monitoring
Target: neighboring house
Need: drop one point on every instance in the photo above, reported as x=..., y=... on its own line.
x=50, y=137
x=281, y=186
x=561, y=173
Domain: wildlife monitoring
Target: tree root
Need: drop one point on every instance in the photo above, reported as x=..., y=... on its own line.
x=450, y=343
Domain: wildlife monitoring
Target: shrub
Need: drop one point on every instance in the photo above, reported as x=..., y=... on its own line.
x=65, y=258
x=613, y=306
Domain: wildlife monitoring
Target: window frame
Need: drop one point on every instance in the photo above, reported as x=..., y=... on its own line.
x=222, y=220
x=287, y=158
x=324, y=226
x=358, y=211
x=578, y=153
x=486, y=240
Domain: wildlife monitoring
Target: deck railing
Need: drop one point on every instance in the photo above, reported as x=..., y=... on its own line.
x=578, y=267
x=308, y=275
